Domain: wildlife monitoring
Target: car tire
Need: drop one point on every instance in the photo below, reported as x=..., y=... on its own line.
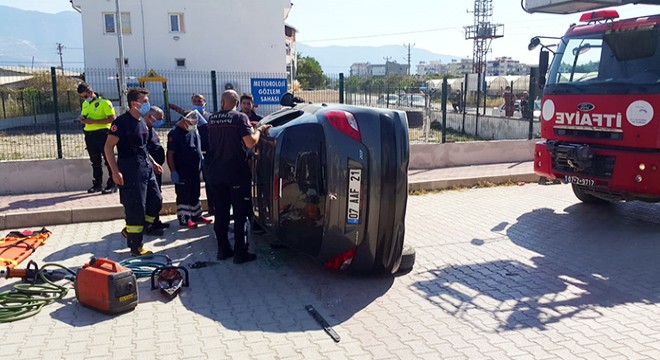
x=407, y=258
x=586, y=197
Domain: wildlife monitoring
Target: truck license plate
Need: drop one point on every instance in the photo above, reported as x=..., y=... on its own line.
x=354, y=196
x=579, y=181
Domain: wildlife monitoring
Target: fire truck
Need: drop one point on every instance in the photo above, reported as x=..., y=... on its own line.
x=600, y=112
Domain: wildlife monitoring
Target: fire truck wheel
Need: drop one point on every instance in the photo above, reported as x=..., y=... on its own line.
x=585, y=197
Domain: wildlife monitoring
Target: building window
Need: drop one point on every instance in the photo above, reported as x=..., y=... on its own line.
x=110, y=25
x=176, y=23
x=180, y=63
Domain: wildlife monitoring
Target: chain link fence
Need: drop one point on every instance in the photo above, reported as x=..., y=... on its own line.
x=30, y=128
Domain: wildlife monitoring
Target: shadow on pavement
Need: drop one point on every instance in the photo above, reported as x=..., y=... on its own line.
x=587, y=261
x=43, y=202
x=269, y=294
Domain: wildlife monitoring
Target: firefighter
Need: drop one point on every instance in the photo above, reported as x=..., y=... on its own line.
x=97, y=114
x=230, y=133
x=184, y=158
x=134, y=170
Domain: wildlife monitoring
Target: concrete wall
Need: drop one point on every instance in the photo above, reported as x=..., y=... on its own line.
x=490, y=127
x=37, y=176
x=33, y=120
x=435, y=156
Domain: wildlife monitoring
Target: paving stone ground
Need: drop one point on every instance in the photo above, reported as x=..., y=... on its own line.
x=513, y=272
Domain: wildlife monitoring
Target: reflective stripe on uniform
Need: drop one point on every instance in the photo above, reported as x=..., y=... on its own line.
x=149, y=219
x=134, y=229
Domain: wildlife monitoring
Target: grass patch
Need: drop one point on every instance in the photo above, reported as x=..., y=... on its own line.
x=480, y=184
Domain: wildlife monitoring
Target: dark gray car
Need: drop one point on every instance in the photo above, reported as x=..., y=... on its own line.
x=331, y=181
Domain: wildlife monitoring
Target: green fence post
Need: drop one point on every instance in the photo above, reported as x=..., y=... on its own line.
x=214, y=90
x=533, y=85
x=4, y=110
x=341, y=88
x=444, y=109
x=57, y=113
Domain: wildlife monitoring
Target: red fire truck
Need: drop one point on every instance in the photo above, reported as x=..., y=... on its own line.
x=600, y=113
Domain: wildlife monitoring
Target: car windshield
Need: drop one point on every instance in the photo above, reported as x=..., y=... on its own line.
x=628, y=58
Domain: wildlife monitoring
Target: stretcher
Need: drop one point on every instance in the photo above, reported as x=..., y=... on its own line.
x=17, y=246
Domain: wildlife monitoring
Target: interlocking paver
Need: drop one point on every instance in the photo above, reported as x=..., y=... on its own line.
x=517, y=271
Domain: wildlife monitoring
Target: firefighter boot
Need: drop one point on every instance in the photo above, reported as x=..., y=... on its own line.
x=135, y=244
x=241, y=255
x=96, y=187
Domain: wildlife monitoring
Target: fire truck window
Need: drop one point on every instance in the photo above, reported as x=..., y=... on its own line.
x=632, y=45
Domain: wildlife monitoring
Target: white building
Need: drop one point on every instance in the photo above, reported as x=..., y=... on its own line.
x=360, y=69
x=222, y=35
x=506, y=66
x=246, y=36
x=432, y=67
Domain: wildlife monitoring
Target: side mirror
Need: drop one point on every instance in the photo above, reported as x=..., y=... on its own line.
x=533, y=43
x=544, y=58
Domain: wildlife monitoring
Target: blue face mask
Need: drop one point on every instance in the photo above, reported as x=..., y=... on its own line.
x=144, y=109
x=199, y=108
x=158, y=123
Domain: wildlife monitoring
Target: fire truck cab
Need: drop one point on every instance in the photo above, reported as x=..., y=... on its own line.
x=600, y=113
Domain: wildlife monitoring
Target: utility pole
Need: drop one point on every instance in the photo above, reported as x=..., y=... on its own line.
x=59, y=51
x=409, y=46
x=122, y=76
x=387, y=60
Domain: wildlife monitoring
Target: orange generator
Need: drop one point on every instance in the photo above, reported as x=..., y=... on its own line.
x=106, y=286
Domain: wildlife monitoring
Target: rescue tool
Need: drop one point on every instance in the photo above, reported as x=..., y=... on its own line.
x=169, y=280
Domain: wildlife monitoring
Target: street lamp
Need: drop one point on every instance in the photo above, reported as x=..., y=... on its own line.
x=120, y=39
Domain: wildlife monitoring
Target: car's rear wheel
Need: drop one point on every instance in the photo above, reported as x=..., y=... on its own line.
x=585, y=197
x=407, y=258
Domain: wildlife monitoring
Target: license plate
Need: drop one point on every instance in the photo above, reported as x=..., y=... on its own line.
x=354, y=196
x=579, y=181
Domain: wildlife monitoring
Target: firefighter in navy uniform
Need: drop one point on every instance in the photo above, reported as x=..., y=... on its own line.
x=154, y=119
x=226, y=163
x=184, y=158
x=134, y=170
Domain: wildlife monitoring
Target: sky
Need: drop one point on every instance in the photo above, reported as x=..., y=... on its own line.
x=435, y=25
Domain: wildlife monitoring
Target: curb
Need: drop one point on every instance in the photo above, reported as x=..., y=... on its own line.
x=21, y=220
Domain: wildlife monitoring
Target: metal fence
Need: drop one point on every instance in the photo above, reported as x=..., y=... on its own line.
x=30, y=128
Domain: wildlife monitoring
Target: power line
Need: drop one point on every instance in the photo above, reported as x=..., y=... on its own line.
x=383, y=35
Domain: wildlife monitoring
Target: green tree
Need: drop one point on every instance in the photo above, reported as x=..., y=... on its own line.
x=310, y=74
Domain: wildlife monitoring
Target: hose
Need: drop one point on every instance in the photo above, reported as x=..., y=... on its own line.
x=143, y=266
x=27, y=300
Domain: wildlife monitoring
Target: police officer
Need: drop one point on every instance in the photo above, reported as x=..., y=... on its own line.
x=230, y=133
x=154, y=119
x=97, y=114
x=134, y=169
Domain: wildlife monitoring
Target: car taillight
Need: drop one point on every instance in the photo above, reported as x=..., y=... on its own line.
x=344, y=122
x=342, y=261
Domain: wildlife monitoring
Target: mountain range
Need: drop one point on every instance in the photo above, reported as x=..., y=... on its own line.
x=31, y=38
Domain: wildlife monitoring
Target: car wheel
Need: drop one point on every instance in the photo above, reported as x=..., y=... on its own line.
x=585, y=197
x=407, y=258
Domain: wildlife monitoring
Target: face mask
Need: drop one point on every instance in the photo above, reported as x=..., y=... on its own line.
x=88, y=99
x=144, y=109
x=199, y=108
x=191, y=127
x=159, y=123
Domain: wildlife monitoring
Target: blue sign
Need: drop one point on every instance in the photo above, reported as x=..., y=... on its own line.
x=267, y=91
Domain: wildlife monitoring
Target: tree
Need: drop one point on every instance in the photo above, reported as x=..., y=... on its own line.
x=310, y=73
